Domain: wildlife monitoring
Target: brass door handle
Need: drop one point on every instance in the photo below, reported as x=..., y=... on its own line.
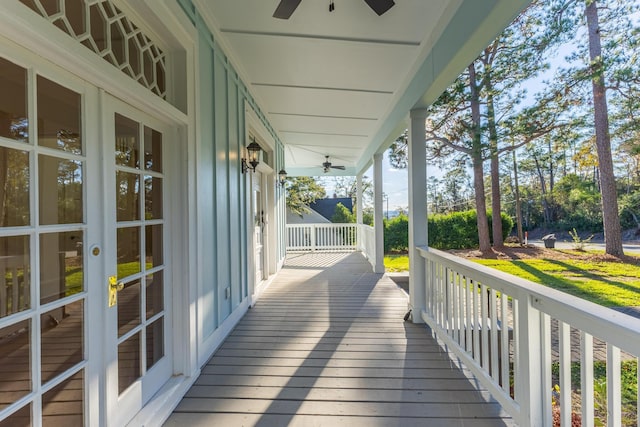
x=117, y=286
x=114, y=288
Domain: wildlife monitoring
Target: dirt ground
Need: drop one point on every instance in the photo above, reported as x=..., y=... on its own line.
x=511, y=252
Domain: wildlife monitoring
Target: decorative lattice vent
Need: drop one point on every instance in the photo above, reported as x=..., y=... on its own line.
x=103, y=28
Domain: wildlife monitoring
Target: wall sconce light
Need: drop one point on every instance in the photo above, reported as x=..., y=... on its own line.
x=253, y=150
x=282, y=177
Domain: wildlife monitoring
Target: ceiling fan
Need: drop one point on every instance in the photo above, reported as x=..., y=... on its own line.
x=327, y=166
x=286, y=7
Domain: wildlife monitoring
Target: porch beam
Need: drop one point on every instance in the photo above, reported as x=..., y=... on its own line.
x=378, y=224
x=417, y=171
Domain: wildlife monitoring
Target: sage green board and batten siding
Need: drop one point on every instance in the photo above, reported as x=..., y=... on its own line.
x=222, y=188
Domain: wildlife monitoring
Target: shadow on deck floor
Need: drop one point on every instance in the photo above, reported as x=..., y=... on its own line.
x=326, y=345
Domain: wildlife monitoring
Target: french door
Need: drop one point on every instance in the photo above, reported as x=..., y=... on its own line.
x=137, y=227
x=258, y=227
x=49, y=282
x=84, y=271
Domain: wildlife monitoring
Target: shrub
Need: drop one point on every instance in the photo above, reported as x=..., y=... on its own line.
x=458, y=230
x=396, y=234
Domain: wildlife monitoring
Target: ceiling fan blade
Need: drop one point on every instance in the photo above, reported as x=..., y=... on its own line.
x=286, y=8
x=338, y=167
x=380, y=6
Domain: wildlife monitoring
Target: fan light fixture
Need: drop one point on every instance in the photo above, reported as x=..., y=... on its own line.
x=253, y=150
x=282, y=177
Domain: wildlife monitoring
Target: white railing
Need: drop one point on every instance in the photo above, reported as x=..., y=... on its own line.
x=511, y=332
x=367, y=241
x=321, y=237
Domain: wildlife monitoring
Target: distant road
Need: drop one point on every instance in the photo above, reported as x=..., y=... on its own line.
x=630, y=248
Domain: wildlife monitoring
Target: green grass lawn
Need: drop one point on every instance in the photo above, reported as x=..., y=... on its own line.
x=606, y=283
x=396, y=263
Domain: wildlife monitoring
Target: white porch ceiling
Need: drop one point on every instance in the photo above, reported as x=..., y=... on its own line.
x=342, y=83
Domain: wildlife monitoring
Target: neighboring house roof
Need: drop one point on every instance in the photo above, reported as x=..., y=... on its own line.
x=312, y=217
x=327, y=207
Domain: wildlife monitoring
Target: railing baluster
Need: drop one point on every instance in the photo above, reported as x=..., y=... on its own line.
x=428, y=274
x=516, y=350
x=441, y=296
x=504, y=342
x=531, y=396
x=484, y=339
x=564, y=347
x=493, y=352
x=458, y=307
x=614, y=402
x=450, y=300
x=448, y=278
x=438, y=294
x=476, y=324
x=586, y=379
x=468, y=325
x=547, y=385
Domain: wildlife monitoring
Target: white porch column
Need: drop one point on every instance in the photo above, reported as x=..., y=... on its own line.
x=359, y=198
x=377, y=213
x=417, y=212
x=359, y=210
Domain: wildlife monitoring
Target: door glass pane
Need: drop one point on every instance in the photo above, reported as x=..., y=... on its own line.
x=59, y=117
x=152, y=197
x=128, y=362
x=13, y=102
x=153, y=246
x=60, y=187
x=20, y=418
x=62, y=339
x=155, y=342
x=127, y=142
x=155, y=294
x=128, y=251
x=15, y=290
x=152, y=149
x=15, y=361
x=63, y=405
x=128, y=307
x=14, y=187
x=128, y=196
x=61, y=266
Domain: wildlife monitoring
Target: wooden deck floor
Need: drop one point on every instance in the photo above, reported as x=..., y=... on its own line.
x=326, y=345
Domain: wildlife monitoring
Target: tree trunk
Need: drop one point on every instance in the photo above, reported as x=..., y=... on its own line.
x=478, y=179
x=611, y=220
x=546, y=208
x=496, y=207
x=518, y=202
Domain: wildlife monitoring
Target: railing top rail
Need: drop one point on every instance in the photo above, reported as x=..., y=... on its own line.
x=617, y=328
x=323, y=224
